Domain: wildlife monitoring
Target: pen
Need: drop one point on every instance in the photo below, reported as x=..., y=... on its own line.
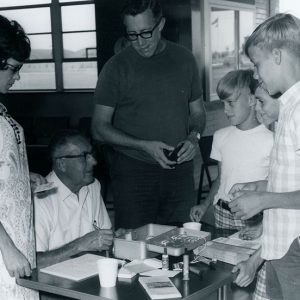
x=95, y=225
x=98, y=228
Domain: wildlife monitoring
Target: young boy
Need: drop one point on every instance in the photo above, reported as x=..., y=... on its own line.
x=242, y=149
x=274, y=49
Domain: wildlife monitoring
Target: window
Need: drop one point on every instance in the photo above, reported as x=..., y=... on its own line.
x=290, y=6
x=63, y=41
x=229, y=28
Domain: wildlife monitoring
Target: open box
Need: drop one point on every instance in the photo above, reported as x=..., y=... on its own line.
x=150, y=239
x=135, y=247
x=177, y=239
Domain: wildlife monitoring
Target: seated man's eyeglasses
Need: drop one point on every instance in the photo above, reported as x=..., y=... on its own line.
x=145, y=34
x=13, y=68
x=85, y=155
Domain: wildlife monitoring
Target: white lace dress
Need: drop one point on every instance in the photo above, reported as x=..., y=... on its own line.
x=16, y=213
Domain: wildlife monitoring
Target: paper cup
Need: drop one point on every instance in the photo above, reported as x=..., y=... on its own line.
x=108, y=271
x=192, y=226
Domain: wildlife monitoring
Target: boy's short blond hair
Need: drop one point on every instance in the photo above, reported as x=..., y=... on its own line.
x=236, y=81
x=281, y=31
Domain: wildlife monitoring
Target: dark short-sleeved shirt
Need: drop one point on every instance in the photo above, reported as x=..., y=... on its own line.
x=151, y=96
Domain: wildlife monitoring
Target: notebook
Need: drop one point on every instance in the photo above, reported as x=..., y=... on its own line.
x=76, y=269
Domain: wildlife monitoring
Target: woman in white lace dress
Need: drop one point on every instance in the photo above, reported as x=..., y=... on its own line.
x=17, y=244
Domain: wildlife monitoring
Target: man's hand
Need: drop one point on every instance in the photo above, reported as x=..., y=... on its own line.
x=156, y=150
x=238, y=188
x=246, y=273
x=96, y=240
x=15, y=262
x=187, y=152
x=36, y=180
x=251, y=232
x=197, y=212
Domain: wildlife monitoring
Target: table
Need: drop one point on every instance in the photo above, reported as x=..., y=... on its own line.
x=213, y=281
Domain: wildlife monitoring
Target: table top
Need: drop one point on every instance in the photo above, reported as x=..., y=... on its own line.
x=198, y=287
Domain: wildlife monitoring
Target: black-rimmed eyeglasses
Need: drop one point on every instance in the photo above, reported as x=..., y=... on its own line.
x=85, y=155
x=145, y=34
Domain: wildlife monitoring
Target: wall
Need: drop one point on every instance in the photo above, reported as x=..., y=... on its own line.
x=73, y=105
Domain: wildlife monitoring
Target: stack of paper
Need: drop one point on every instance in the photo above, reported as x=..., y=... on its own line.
x=231, y=250
x=77, y=269
x=139, y=266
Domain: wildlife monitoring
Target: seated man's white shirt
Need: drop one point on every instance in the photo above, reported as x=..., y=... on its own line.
x=61, y=218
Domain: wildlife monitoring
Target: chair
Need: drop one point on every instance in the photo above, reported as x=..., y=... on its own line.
x=205, y=144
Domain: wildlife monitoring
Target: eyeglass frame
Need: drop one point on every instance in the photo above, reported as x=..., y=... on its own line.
x=144, y=32
x=84, y=155
x=14, y=69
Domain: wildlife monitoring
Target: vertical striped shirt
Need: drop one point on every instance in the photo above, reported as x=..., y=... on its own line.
x=282, y=226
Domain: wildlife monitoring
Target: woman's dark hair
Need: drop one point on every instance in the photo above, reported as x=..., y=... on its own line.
x=14, y=43
x=135, y=7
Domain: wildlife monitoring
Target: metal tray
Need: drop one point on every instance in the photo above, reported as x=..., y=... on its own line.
x=133, y=246
x=176, y=240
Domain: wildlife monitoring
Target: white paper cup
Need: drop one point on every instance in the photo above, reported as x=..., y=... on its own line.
x=192, y=226
x=108, y=271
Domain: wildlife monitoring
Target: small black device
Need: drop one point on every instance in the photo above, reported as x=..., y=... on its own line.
x=172, y=155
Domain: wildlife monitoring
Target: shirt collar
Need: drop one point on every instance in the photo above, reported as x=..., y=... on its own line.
x=62, y=189
x=291, y=94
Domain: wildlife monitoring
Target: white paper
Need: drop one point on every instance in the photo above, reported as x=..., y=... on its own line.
x=124, y=273
x=77, y=269
x=159, y=272
x=138, y=266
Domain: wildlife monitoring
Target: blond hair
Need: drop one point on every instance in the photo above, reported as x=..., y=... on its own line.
x=234, y=82
x=281, y=31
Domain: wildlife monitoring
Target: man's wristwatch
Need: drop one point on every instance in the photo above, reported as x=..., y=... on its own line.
x=195, y=136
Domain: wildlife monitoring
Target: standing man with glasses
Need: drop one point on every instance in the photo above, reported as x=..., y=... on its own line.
x=149, y=101
x=71, y=217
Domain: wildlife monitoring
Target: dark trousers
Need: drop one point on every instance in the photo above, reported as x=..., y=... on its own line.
x=146, y=193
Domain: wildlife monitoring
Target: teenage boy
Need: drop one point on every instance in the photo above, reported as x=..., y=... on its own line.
x=274, y=49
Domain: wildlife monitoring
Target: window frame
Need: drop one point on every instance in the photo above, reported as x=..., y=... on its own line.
x=206, y=7
x=57, y=43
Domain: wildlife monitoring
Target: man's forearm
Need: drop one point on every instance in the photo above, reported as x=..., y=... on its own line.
x=197, y=117
x=197, y=122
x=288, y=200
x=54, y=256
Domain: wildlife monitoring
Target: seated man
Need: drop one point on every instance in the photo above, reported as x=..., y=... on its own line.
x=71, y=217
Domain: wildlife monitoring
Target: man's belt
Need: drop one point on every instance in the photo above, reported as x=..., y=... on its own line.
x=223, y=204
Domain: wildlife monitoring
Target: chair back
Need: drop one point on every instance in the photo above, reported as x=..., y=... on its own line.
x=205, y=145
